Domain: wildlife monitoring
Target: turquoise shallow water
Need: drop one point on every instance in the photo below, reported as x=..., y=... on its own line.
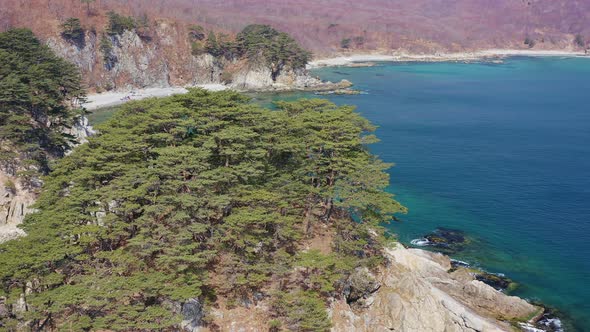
x=501, y=151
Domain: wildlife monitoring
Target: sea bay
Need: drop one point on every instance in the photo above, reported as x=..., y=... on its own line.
x=499, y=151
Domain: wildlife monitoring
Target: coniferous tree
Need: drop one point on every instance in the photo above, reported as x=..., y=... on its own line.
x=204, y=193
x=37, y=91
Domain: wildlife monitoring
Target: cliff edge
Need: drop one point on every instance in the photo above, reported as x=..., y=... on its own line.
x=418, y=293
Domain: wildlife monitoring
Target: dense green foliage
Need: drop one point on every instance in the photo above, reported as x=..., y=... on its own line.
x=72, y=31
x=196, y=35
x=118, y=24
x=218, y=45
x=357, y=42
x=36, y=87
x=277, y=49
x=260, y=44
x=109, y=59
x=196, y=32
x=345, y=43
x=199, y=196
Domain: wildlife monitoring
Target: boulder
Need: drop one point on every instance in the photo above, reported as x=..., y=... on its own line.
x=192, y=315
x=359, y=286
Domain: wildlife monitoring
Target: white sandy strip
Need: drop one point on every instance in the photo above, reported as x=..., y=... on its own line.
x=542, y=53
x=107, y=99
x=463, y=56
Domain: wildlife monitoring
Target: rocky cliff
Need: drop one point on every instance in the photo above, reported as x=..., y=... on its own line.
x=15, y=202
x=418, y=293
x=160, y=62
x=164, y=59
x=16, y=197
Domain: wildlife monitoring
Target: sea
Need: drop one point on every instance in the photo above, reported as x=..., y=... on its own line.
x=500, y=151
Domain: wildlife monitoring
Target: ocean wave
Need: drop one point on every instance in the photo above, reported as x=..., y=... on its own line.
x=420, y=242
x=461, y=263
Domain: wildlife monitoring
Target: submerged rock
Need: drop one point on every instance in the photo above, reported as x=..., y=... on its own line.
x=444, y=240
x=455, y=264
x=498, y=281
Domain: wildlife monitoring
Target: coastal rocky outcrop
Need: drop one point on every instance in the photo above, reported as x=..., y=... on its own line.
x=259, y=78
x=417, y=290
x=418, y=293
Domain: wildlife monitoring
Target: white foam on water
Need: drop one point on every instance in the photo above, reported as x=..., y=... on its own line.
x=529, y=328
x=554, y=323
x=460, y=262
x=420, y=242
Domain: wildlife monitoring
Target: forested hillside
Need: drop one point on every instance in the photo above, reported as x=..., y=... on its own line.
x=321, y=26
x=194, y=200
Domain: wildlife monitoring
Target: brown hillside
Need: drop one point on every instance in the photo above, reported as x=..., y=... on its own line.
x=419, y=25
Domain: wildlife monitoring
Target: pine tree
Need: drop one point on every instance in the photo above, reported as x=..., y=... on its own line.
x=199, y=194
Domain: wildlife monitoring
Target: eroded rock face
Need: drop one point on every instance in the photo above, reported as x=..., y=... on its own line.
x=418, y=294
x=16, y=199
x=165, y=60
x=15, y=202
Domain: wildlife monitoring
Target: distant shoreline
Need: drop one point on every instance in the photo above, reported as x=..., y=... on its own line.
x=492, y=54
x=115, y=98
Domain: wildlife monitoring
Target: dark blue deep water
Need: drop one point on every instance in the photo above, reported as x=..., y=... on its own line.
x=500, y=151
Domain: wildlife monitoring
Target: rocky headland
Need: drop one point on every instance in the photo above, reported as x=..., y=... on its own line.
x=415, y=290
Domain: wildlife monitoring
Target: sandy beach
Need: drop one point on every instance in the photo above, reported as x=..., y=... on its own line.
x=347, y=60
x=114, y=98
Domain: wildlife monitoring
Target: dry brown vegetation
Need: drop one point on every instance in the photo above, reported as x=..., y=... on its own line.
x=418, y=25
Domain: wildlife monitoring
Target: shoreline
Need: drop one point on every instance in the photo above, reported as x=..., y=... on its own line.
x=115, y=98
x=491, y=54
x=118, y=97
